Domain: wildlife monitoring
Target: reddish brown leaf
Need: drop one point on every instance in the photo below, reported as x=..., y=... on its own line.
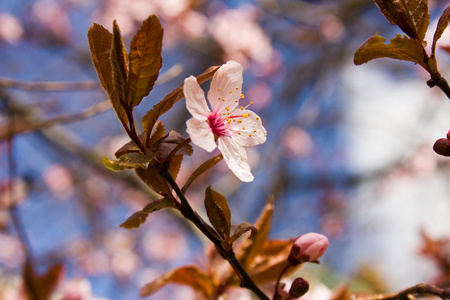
x=41, y=286
x=124, y=163
x=341, y=293
x=175, y=165
x=119, y=66
x=100, y=44
x=218, y=213
x=410, y=15
x=200, y=170
x=241, y=229
x=188, y=275
x=145, y=60
x=249, y=249
x=151, y=177
x=441, y=26
x=139, y=217
x=401, y=47
x=149, y=120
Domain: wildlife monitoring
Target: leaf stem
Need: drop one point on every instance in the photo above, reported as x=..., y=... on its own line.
x=277, y=284
x=228, y=254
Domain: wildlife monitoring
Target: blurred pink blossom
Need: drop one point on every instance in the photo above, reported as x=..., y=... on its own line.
x=11, y=29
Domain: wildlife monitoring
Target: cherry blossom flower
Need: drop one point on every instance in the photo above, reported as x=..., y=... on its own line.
x=232, y=126
x=308, y=248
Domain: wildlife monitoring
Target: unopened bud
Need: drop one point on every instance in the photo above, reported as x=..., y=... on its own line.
x=308, y=248
x=442, y=147
x=299, y=287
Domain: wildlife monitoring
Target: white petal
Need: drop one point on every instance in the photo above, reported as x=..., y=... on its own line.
x=195, y=99
x=201, y=134
x=236, y=158
x=227, y=78
x=251, y=129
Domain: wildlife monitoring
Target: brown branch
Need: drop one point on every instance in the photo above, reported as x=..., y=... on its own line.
x=420, y=289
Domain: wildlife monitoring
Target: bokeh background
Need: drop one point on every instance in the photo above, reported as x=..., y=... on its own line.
x=349, y=150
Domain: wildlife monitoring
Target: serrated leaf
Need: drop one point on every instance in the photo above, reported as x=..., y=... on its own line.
x=120, y=165
x=243, y=228
x=100, y=44
x=119, y=65
x=188, y=275
x=441, y=26
x=401, y=47
x=139, y=217
x=200, y=170
x=175, y=165
x=218, y=213
x=411, y=16
x=150, y=118
x=250, y=248
x=151, y=177
x=145, y=60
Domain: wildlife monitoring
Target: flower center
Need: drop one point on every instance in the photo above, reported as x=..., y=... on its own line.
x=218, y=124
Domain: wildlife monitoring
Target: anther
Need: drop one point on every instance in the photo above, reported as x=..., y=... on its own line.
x=231, y=91
x=242, y=96
x=218, y=90
x=243, y=128
x=249, y=134
x=257, y=119
x=237, y=88
x=251, y=103
x=223, y=99
x=245, y=115
x=242, y=108
x=239, y=133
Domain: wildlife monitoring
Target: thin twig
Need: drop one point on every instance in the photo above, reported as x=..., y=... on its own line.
x=48, y=85
x=228, y=254
x=418, y=289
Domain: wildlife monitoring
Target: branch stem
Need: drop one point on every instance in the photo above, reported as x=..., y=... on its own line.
x=228, y=254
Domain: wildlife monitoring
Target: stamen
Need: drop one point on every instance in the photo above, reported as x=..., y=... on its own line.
x=242, y=96
x=242, y=108
x=231, y=91
x=223, y=99
x=249, y=135
x=243, y=128
x=254, y=130
x=257, y=119
x=251, y=103
x=237, y=88
x=218, y=90
x=218, y=98
x=245, y=115
x=239, y=133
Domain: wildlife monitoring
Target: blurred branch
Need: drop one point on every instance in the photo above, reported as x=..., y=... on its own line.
x=48, y=85
x=406, y=294
x=55, y=86
x=32, y=123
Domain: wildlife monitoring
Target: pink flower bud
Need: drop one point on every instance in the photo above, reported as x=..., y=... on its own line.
x=299, y=287
x=308, y=248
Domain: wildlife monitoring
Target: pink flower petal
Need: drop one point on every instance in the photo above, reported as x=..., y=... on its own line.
x=226, y=87
x=251, y=130
x=195, y=99
x=201, y=134
x=235, y=157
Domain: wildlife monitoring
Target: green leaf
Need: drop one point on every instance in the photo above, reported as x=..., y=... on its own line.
x=139, y=217
x=218, y=213
x=243, y=228
x=149, y=120
x=401, y=47
x=188, y=275
x=120, y=165
x=100, y=44
x=151, y=177
x=145, y=60
x=119, y=64
x=441, y=26
x=200, y=170
x=411, y=16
